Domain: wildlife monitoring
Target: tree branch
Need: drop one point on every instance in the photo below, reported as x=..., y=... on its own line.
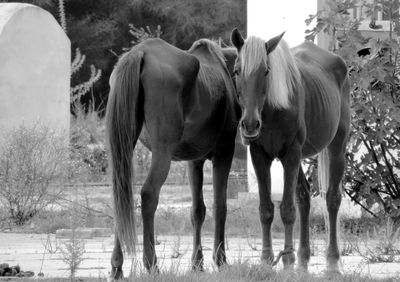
x=359, y=203
x=390, y=168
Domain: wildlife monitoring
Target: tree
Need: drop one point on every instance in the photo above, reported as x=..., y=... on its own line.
x=373, y=166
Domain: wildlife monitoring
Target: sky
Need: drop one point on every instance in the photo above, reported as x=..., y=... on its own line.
x=266, y=19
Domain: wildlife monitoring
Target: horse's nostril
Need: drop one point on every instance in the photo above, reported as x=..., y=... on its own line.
x=258, y=124
x=243, y=125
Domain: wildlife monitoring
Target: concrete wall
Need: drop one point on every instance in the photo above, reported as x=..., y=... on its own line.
x=35, y=60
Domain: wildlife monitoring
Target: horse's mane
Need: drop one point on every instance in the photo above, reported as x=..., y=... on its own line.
x=210, y=76
x=284, y=75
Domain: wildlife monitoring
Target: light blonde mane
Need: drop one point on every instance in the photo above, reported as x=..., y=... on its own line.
x=283, y=76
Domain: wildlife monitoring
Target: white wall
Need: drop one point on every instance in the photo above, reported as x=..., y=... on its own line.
x=35, y=65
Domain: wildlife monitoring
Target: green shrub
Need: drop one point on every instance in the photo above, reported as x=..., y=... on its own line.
x=34, y=162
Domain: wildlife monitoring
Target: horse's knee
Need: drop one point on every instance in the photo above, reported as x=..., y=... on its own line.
x=267, y=213
x=303, y=198
x=149, y=202
x=198, y=213
x=333, y=200
x=220, y=210
x=288, y=213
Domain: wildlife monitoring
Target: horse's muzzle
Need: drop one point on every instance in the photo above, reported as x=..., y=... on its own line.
x=247, y=138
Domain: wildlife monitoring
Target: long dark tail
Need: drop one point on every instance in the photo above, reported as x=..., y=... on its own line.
x=124, y=121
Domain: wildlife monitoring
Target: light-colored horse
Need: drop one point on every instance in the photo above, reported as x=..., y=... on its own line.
x=295, y=104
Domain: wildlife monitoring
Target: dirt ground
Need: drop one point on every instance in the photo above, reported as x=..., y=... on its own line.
x=174, y=252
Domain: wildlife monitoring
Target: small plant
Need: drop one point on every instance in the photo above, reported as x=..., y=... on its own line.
x=387, y=248
x=141, y=34
x=350, y=245
x=51, y=247
x=33, y=164
x=80, y=89
x=313, y=246
x=176, y=248
x=72, y=253
x=73, y=248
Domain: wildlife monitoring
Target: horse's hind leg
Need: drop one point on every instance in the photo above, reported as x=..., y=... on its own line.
x=198, y=210
x=222, y=161
x=262, y=164
x=117, y=259
x=160, y=164
x=333, y=200
x=303, y=203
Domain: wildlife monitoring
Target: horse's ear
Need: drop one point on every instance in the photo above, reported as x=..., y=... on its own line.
x=237, y=39
x=273, y=42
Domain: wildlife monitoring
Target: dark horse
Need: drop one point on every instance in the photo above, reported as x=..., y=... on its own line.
x=183, y=105
x=295, y=104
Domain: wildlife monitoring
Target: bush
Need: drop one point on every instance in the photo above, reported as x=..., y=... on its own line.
x=87, y=143
x=33, y=164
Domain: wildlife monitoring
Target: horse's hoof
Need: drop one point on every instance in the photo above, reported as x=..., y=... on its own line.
x=198, y=266
x=267, y=260
x=116, y=274
x=267, y=256
x=301, y=268
x=333, y=272
x=223, y=266
x=154, y=270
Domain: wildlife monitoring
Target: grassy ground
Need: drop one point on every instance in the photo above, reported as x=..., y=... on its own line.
x=239, y=272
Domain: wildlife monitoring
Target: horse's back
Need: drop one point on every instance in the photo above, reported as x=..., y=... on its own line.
x=309, y=53
x=179, y=106
x=211, y=116
x=325, y=81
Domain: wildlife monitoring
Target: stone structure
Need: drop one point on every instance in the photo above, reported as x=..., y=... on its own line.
x=35, y=56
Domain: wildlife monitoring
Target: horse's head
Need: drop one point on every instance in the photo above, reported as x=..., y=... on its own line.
x=251, y=71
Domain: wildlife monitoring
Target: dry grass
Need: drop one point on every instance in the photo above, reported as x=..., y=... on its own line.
x=237, y=273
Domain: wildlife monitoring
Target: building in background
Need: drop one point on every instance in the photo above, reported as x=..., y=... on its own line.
x=376, y=26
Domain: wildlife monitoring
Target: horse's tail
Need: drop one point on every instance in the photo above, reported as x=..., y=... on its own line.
x=323, y=172
x=323, y=181
x=124, y=121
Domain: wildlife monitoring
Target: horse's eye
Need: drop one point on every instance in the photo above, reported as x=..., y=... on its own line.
x=267, y=71
x=236, y=72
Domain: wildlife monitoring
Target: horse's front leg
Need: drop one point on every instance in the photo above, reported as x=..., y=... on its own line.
x=262, y=165
x=198, y=211
x=291, y=165
x=160, y=164
x=221, y=166
x=303, y=202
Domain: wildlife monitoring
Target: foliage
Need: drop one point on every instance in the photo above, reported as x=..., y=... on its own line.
x=373, y=166
x=33, y=165
x=87, y=143
x=77, y=91
x=387, y=248
x=141, y=34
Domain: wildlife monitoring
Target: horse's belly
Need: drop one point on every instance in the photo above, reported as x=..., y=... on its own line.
x=321, y=129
